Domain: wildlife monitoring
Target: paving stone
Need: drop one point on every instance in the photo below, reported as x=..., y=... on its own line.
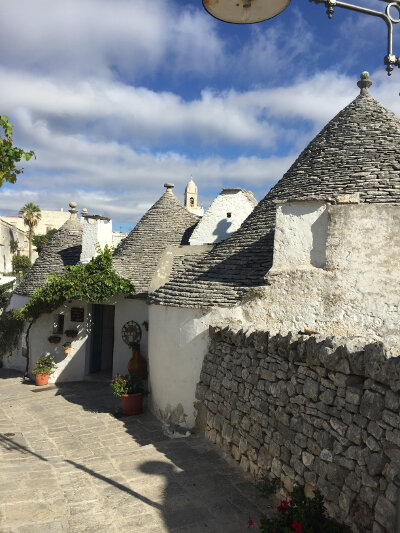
x=72, y=470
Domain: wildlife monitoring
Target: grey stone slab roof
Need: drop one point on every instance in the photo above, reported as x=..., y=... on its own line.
x=358, y=151
x=166, y=223
x=64, y=249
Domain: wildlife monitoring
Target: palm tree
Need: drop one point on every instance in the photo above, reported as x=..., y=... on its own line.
x=31, y=214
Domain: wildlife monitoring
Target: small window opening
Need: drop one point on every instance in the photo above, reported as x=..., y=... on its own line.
x=228, y=215
x=59, y=325
x=191, y=202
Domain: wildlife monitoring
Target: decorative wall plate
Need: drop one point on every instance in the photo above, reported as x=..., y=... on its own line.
x=131, y=333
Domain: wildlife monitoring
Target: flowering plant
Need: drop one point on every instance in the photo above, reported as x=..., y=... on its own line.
x=44, y=365
x=127, y=385
x=302, y=515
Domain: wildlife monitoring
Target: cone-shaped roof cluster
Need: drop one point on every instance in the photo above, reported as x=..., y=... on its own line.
x=357, y=151
x=166, y=223
x=64, y=249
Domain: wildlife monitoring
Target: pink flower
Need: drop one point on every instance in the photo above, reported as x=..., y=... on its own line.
x=298, y=528
x=283, y=505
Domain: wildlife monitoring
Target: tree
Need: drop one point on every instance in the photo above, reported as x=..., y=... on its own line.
x=14, y=244
x=21, y=263
x=31, y=214
x=9, y=154
x=40, y=241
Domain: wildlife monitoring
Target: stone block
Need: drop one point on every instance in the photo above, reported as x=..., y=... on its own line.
x=354, y=434
x=227, y=432
x=307, y=459
x=372, y=405
x=311, y=389
x=326, y=455
x=392, y=400
x=385, y=513
x=391, y=418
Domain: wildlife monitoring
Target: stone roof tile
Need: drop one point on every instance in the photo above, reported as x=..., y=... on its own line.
x=357, y=151
x=64, y=249
x=166, y=223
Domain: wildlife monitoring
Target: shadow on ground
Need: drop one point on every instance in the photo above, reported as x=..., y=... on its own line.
x=184, y=483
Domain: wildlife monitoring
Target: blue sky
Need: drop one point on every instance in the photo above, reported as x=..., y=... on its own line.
x=118, y=97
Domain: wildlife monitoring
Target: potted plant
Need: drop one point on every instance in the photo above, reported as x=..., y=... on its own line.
x=71, y=333
x=131, y=392
x=67, y=347
x=54, y=339
x=44, y=367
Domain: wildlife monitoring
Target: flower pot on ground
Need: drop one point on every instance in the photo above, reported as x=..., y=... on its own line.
x=54, y=339
x=44, y=367
x=131, y=392
x=67, y=347
x=132, y=404
x=71, y=333
x=41, y=379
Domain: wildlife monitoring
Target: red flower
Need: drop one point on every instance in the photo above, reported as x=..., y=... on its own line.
x=298, y=528
x=251, y=523
x=283, y=505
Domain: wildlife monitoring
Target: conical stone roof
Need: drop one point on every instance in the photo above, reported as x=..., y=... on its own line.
x=166, y=223
x=64, y=249
x=358, y=151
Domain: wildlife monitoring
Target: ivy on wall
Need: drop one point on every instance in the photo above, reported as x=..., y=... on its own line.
x=95, y=282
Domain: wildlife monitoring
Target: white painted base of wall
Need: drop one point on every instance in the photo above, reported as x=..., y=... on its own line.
x=178, y=341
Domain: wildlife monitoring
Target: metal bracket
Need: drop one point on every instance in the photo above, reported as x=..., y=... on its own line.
x=390, y=60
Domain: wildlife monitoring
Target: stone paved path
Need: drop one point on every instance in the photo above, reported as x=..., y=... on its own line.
x=68, y=463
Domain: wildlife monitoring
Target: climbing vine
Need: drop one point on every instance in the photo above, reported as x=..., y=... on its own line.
x=95, y=282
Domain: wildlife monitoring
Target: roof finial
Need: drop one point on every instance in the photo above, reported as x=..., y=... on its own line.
x=73, y=209
x=169, y=186
x=364, y=83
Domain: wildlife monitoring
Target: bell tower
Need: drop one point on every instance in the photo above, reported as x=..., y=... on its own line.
x=191, y=198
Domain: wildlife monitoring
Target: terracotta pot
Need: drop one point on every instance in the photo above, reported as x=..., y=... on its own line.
x=132, y=404
x=41, y=379
x=67, y=350
x=137, y=365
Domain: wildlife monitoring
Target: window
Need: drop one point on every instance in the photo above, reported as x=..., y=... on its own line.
x=58, y=327
x=77, y=314
x=191, y=202
x=228, y=215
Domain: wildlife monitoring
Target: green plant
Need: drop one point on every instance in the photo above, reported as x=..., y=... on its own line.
x=21, y=263
x=127, y=385
x=9, y=154
x=302, y=515
x=252, y=294
x=40, y=241
x=5, y=293
x=267, y=486
x=67, y=344
x=14, y=244
x=11, y=328
x=95, y=282
x=44, y=365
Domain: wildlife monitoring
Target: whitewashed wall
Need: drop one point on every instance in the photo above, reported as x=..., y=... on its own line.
x=95, y=232
x=70, y=367
x=215, y=225
x=127, y=309
x=7, y=233
x=178, y=341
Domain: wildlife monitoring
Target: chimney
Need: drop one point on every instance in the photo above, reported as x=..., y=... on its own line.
x=97, y=230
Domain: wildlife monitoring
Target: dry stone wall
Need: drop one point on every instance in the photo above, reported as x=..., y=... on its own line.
x=320, y=412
